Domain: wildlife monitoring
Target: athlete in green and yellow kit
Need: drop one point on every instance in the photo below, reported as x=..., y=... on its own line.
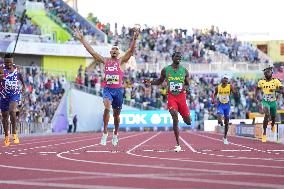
x=269, y=88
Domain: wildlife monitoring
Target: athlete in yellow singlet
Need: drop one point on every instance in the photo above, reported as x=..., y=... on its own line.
x=222, y=93
x=269, y=87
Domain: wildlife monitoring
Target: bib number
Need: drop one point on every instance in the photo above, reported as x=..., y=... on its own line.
x=112, y=79
x=175, y=87
x=11, y=85
x=224, y=99
x=269, y=97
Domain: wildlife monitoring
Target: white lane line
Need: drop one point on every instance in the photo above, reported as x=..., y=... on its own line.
x=235, y=150
x=47, y=152
x=84, y=147
x=139, y=176
x=188, y=145
x=137, y=146
x=240, y=145
x=61, y=155
x=103, y=151
x=240, y=157
x=53, y=140
x=160, y=150
x=61, y=185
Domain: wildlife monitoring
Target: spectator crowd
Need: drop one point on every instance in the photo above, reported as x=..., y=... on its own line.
x=200, y=98
x=10, y=22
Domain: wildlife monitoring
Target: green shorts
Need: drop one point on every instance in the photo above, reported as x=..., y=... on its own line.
x=272, y=106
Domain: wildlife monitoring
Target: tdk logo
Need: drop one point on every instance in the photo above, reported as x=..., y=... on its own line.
x=145, y=119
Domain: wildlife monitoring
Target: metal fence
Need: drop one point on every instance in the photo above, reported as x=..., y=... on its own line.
x=24, y=127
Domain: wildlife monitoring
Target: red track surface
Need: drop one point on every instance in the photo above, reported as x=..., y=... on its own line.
x=141, y=160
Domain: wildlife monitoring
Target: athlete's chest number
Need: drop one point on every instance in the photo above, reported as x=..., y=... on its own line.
x=112, y=79
x=11, y=85
x=174, y=87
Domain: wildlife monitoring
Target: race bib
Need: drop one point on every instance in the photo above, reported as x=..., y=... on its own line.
x=11, y=85
x=224, y=99
x=112, y=79
x=269, y=97
x=175, y=87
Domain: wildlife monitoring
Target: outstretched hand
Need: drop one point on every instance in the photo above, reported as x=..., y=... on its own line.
x=78, y=34
x=136, y=33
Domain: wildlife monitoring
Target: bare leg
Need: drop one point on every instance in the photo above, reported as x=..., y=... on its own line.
x=5, y=122
x=226, y=126
x=13, y=117
x=107, y=104
x=174, y=115
x=116, y=113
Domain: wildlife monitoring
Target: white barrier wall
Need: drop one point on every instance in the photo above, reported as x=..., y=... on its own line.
x=89, y=109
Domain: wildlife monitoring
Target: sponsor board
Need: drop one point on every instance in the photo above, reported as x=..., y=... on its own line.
x=247, y=130
x=151, y=118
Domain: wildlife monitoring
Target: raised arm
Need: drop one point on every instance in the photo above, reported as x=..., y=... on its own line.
x=130, y=51
x=158, y=81
x=88, y=47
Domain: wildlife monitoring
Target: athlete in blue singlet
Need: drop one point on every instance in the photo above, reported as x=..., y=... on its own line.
x=10, y=96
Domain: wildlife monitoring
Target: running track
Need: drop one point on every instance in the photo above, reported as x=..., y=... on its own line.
x=141, y=160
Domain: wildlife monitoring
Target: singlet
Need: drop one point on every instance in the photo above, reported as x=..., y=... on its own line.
x=113, y=74
x=175, y=79
x=266, y=86
x=10, y=83
x=224, y=93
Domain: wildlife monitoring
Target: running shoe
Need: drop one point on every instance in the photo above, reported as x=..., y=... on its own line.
x=104, y=139
x=225, y=140
x=16, y=139
x=177, y=148
x=114, y=140
x=263, y=138
x=7, y=141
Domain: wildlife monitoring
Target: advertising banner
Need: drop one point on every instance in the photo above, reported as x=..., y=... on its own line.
x=247, y=130
x=149, y=118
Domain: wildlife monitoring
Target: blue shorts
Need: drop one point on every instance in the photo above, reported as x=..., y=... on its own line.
x=5, y=102
x=224, y=109
x=115, y=95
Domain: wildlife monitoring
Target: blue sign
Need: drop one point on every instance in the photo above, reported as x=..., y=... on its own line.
x=150, y=118
x=245, y=130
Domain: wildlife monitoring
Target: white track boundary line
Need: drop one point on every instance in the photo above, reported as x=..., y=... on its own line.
x=170, y=159
x=188, y=145
x=142, y=143
x=61, y=185
x=235, y=144
x=139, y=176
